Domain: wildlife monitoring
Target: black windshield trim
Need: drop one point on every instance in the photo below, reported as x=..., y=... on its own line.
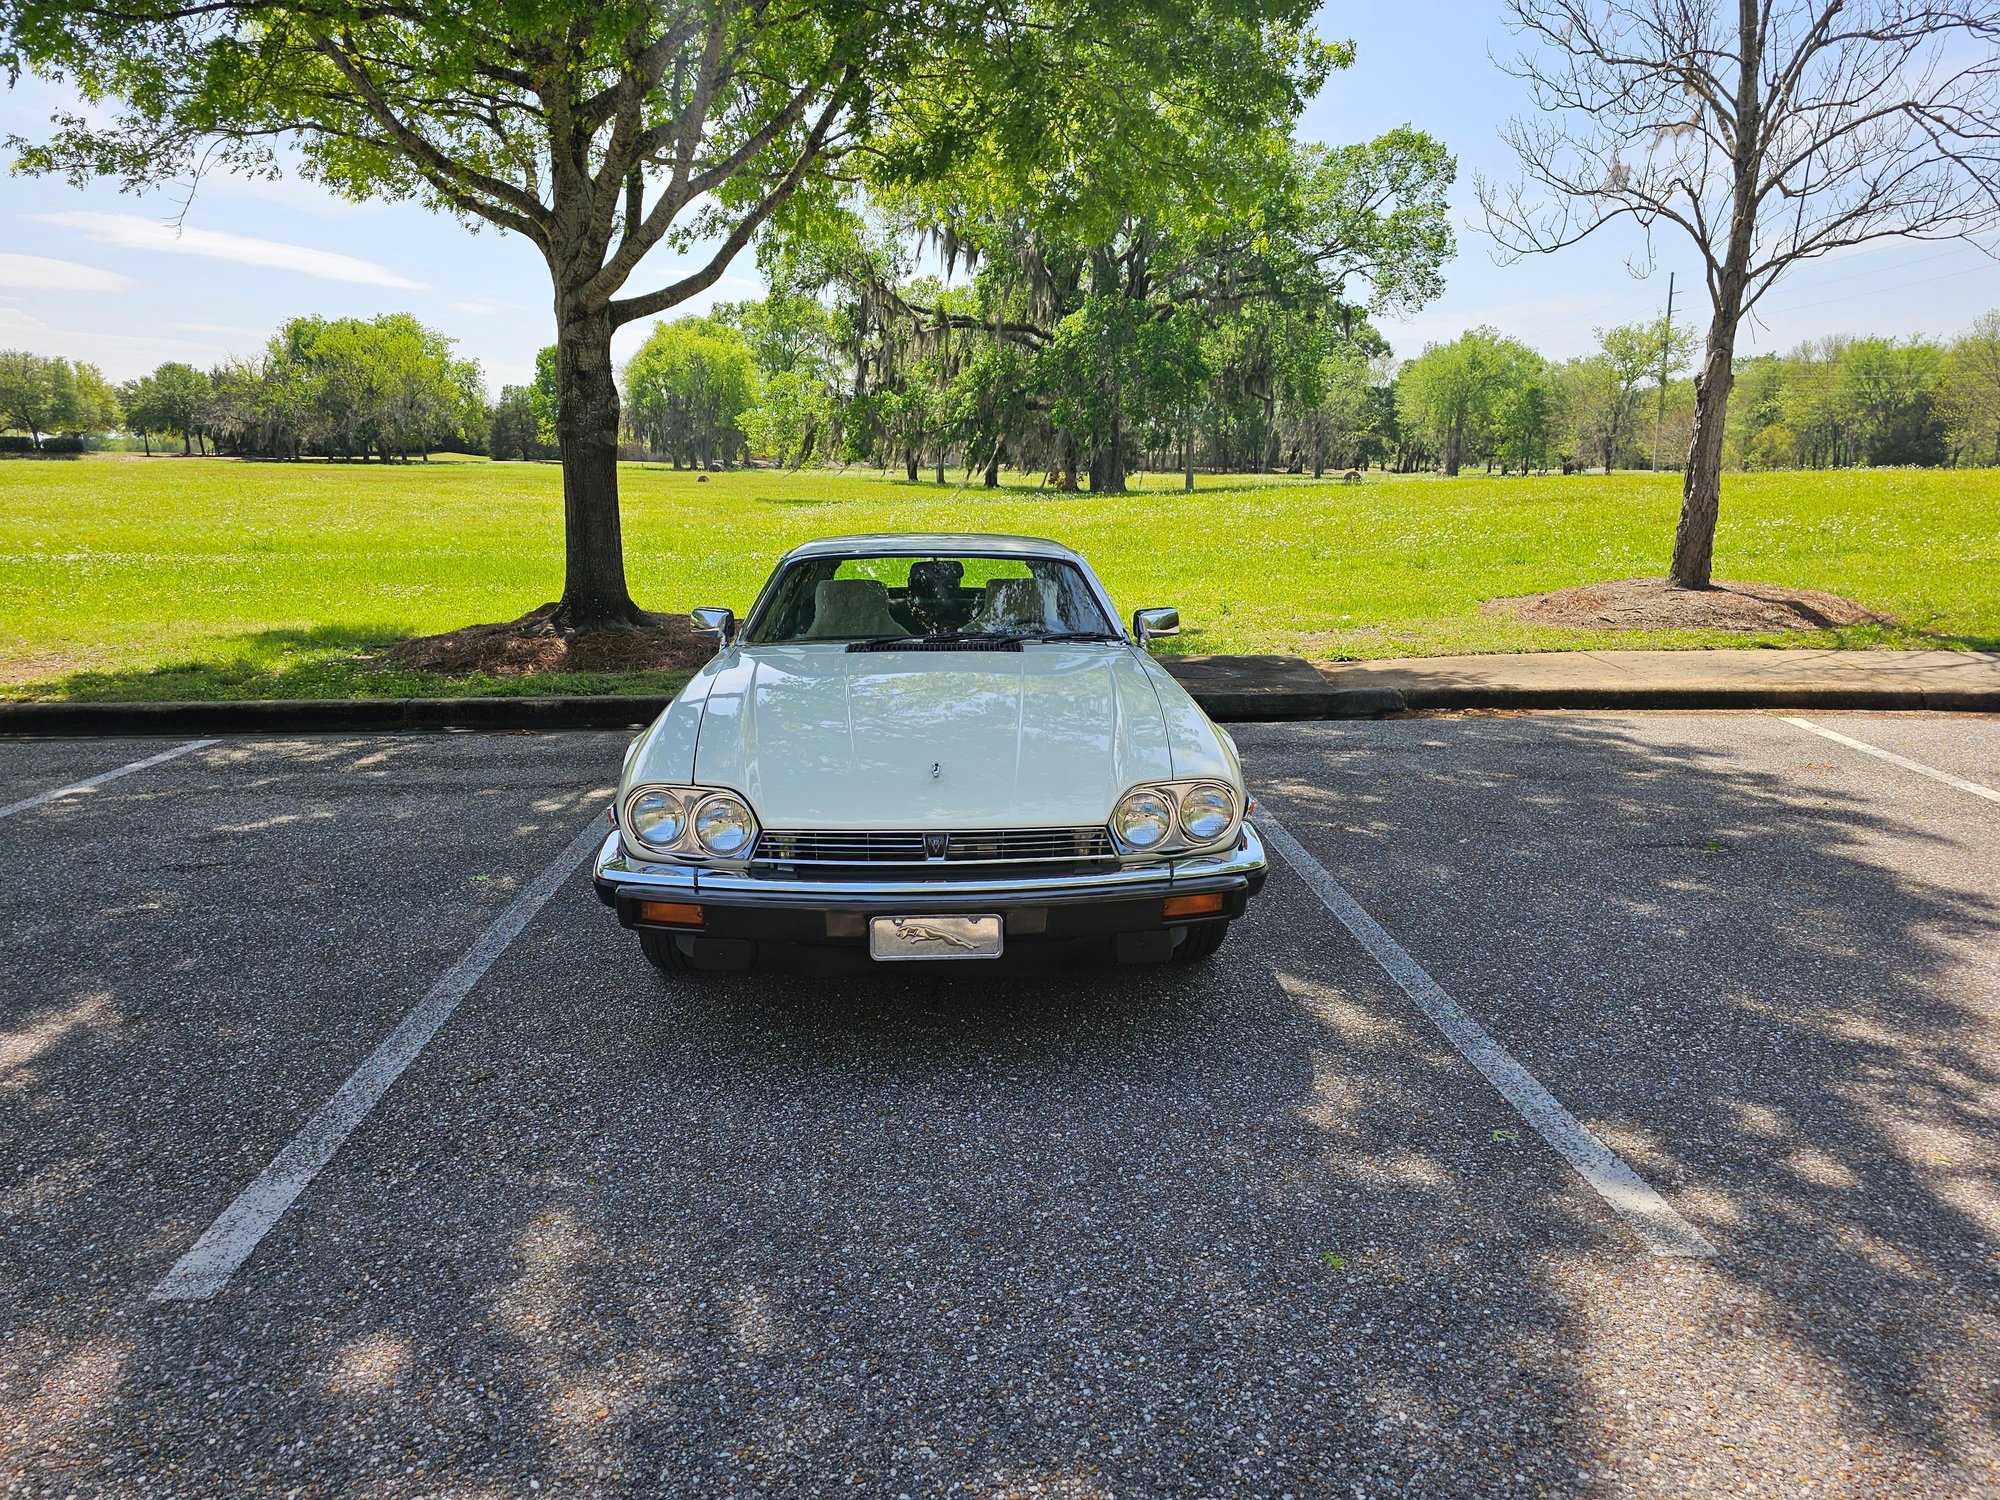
x=938, y=643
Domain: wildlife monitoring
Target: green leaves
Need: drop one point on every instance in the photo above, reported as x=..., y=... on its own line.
x=689, y=391
x=44, y=394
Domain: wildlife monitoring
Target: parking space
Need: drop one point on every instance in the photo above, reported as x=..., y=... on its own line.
x=1762, y=967
x=36, y=773
x=1253, y=1226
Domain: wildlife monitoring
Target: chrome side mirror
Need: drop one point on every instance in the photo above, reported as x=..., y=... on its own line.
x=1149, y=623
x=709, y=620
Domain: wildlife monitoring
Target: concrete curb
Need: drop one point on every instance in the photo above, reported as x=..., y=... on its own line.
x=1253, y=707
x=326, y=715
x=1226, y=705
x=387, y=715
x=1458, y=696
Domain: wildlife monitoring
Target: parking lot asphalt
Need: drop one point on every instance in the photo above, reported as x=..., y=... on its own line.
x=1254, y=1226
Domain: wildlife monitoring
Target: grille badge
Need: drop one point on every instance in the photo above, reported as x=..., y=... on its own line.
x=935, y=844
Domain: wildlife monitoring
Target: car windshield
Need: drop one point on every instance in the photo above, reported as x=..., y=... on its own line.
x=870, y=602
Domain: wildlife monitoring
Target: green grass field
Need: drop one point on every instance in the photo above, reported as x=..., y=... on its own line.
x=124, y=578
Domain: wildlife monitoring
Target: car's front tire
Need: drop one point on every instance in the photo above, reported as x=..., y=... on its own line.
x=1200, y=942
x=664, y=954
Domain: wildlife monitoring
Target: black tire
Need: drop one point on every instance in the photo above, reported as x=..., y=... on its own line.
x=664, y=954
x=1201, y=942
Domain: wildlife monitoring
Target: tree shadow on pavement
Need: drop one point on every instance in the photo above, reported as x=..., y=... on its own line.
x=1763, y=972
x=1243, y=1227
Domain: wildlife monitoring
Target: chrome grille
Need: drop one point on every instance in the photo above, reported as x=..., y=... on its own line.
x=916, y=847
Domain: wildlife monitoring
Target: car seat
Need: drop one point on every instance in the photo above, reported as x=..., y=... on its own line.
x=1017, y=604
x=851, y=609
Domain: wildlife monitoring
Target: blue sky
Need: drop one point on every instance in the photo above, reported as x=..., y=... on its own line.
x=100, y=275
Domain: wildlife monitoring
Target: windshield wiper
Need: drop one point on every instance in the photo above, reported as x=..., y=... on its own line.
x=945, y=641
x=998, y=640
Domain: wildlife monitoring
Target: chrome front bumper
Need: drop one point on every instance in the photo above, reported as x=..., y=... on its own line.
x=616, y=876
x=740, y=915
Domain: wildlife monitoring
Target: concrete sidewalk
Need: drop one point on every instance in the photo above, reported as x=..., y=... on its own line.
x=1286, y=687
x=1233, y=689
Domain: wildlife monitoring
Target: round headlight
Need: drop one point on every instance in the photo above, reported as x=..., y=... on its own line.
x=1206, y=812
x=1143, y=819
x=723, y=825
x=657, y=818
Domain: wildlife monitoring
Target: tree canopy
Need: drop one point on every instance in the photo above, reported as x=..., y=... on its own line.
x=600, y=131
x=689, y=391
x=43, y=394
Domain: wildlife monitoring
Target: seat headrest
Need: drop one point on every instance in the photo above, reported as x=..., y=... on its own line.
x=851, y=609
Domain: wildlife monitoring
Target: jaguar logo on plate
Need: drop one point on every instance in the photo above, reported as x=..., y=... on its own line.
x=935, y=937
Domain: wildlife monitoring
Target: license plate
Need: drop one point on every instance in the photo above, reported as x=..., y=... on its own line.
x=894, y=938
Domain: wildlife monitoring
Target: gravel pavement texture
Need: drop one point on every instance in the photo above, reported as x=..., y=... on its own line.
x=1249, y=1227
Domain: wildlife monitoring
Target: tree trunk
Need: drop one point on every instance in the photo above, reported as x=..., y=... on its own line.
x=594, y=590
x=910, y=464
x=1701, y=481
x=1107, y=469
x=1107, y=461
x=993, y=468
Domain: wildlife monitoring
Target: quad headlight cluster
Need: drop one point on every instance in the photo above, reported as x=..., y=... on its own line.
x=697, y=820
x=1175, y=815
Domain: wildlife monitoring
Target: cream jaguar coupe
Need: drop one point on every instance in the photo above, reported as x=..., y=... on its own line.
x=934, y=749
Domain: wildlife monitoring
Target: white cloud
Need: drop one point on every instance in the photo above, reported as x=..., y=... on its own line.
x=42, y=274
x=122, y=356
x=134, y=232
x=290, y=191
x=485, y=307
x=231, y=328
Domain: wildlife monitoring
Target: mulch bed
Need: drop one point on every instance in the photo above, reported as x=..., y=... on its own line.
x=531, y=645
x=1654, y=604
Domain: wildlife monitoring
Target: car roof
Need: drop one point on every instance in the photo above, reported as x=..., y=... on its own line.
x=929, y=543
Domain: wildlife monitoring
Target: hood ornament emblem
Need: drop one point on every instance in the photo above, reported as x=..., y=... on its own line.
x=937, y=769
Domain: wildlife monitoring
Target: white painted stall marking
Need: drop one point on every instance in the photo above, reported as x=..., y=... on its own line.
x=229, y=1241
x=1608, y=1174
x=1896, y=760
x=93, y=782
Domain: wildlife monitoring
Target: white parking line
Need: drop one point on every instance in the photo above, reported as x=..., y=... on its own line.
x=229, y=1241
x=92, y=783
x=1897, y=760
x=1609, y=1174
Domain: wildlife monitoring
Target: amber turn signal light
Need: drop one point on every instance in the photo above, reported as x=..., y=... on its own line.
x=679, y=913
x=1192, y=906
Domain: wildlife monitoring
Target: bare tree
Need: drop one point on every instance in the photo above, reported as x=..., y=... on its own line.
x=1769, y=131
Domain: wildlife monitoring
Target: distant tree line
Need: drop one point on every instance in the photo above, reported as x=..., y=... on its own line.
x=793, y=379
x=1840, y=402
x=387, y=388
x=44, y=396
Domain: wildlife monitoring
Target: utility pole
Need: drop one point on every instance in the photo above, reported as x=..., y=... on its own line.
x=1666, y=343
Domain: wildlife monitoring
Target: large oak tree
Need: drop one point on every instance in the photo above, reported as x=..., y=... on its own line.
x=598, y=130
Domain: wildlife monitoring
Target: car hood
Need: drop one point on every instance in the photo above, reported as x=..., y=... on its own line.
x=1048, y=736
